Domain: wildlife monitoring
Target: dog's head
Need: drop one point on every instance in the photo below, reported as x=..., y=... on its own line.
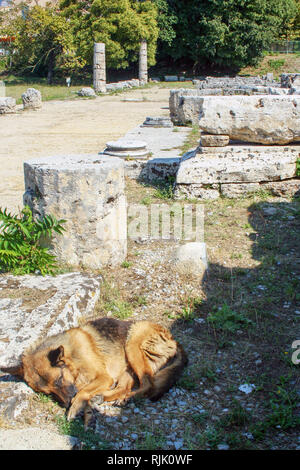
x=46, y=371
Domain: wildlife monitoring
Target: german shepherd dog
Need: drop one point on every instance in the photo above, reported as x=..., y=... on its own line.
x=106, y=358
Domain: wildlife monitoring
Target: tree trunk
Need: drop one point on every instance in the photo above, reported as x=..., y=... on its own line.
x=50, y=68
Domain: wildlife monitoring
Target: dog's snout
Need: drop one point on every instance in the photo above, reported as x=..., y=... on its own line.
x=66, y=394
x=71, y=391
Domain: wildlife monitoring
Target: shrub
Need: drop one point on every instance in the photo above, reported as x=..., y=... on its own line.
x=20, y=248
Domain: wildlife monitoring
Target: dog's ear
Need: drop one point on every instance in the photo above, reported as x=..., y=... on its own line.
x=14, y=370
x=56, y=356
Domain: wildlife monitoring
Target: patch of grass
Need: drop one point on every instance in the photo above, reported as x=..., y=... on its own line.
x=88, y=439
x=140, y=300
x=48, y=92
x=274, y=62
x=209, y=373
x=187, y=381
x=211, y=437
x=282, y=405
x=192, y=139
x=147, y=200
x=119, y=308
x=111, y=302
x=126, y=264
x=200, y=418
x=151, y=442
x=237, y=416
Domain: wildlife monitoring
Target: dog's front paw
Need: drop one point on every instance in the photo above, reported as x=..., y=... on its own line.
x=76, y=407
x=96, y=401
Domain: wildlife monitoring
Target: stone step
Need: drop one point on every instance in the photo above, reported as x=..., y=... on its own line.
x=239, y=164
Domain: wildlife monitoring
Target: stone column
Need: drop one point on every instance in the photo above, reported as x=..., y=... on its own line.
x=143, y=65
x=99, y=74
x=88, y=192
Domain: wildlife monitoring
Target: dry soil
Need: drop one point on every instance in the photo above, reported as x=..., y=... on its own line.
x=67, y=127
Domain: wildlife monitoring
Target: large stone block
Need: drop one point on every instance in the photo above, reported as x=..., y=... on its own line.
x=239, y=164
x=32, y=99
x=177, y=101
x=87, y=191
x=267, y=120
x=33, y=307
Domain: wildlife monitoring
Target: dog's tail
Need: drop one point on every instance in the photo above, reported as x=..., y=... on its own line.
x=166, y=377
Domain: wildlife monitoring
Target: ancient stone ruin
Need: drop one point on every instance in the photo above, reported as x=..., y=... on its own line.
x=32, y=99
x=265, y=120
x=88, y=192
x=161, y=121
x=7, y=105
x=185, y=103
x=128, y=149
x=247, y=144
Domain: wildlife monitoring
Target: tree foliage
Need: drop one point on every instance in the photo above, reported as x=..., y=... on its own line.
x=294, y=32
x=44, y=41
x=120, y=24
x=228, y=32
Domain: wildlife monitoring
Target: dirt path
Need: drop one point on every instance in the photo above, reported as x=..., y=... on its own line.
x=60, y=127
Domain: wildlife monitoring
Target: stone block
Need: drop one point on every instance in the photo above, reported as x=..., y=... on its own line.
x=87, y=191
x=239, y=164
x=267, y=120
x=191, y=258
x=159, y=121
x=127, y=148
x=171, y=78
x=33, y=307
x=32, y=99
x=7, y=105
x=208, y=140
x=288, y=188
x=87, y=91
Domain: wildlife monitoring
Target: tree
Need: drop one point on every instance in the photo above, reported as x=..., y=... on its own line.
x=44, y=41
x=120, y=24
x=295, y=26
x=231, y=33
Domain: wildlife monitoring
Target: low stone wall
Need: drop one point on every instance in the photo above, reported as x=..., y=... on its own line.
x=234, y=82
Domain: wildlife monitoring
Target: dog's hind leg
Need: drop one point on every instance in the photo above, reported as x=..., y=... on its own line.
x=123, y=389
x=140, y=366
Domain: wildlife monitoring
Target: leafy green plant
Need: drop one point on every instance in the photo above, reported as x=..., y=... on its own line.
x=227, y=320
x=20, y=242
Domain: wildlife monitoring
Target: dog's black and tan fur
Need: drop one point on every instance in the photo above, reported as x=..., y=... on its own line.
x=107, y=357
